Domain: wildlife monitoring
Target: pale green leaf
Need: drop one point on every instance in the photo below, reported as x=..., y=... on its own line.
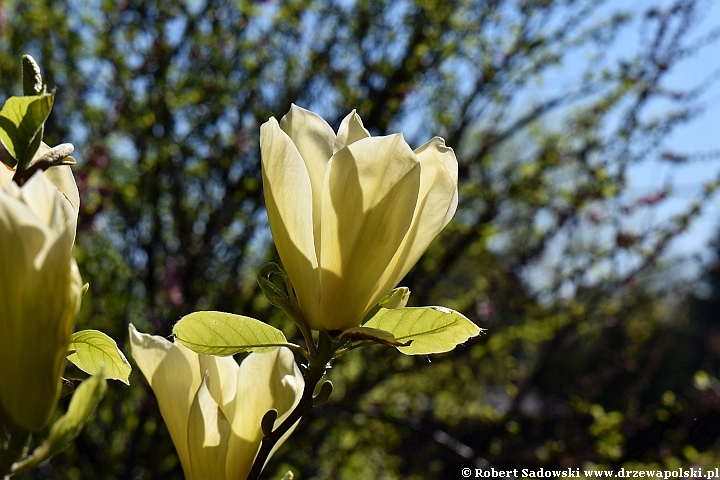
x=91, y=349
x=397, y=298
x=223, y=334
x=82, y=404
x=372, y=334
x=20, y=121
x=431, y=329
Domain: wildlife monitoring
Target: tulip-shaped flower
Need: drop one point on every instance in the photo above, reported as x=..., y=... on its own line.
x=40, y=292
x=212, y=406
x=350, y=214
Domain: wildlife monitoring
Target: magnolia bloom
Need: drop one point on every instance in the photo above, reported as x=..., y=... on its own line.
x=212, y=406
x=351, y=214
x=40, y=292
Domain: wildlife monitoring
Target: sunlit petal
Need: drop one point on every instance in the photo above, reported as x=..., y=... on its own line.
x=351, y=130
x=61, y=177
x=288, y=199
x=223, y=373
x=174, y=375
x=208, y=435
x=436, y=205
x=369, y=193
x=314, y=139
x=36, y=262
x=6, y=174
x=265, y=381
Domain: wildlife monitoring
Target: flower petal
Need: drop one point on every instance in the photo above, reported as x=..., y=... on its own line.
x=369, y=194
x=62, y=178
x=39, y=195
x=432, y=155
x=24, y=233
x=436, y=205
x=35, y=263
x=314, y=139
x=288, y=199
x=222, y=384
x=172, y=372
x=208, y=435
x=6, y=174
x=351, y=130
x=265, y=381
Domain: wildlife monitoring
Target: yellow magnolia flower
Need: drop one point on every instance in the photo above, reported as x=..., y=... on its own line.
x=212, y=406
x=350, y=214
x=40, y=292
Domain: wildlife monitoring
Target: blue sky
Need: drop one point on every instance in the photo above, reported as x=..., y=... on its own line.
x=700, y=136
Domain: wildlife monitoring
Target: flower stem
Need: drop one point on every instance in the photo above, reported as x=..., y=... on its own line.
x=312, y=375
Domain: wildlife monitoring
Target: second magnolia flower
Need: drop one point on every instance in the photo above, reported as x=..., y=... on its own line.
x=351, y=214
x=212, y=406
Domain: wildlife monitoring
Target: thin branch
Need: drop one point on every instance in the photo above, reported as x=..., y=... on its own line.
x=313, y=373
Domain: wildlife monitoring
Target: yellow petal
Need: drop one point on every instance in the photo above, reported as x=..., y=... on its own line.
x=288, y=199
x=370, y=190
x=436, y=205
x=265, y=381
x=40, y=195
x=24, y=233
x=293, y=385
x=208, y=435
x=62, y=178
x=174, y=375
x=35, y=263
x=440, y=181
x=45, y=195
x=351, y=130
x=314, y=139
x=223, y=373
x=6, y=174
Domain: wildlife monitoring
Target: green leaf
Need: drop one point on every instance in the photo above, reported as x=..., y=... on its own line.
x=92, y=349
x=223, y=334
x=83, y=403
x=274, y=294
x=373, y=334
x=397, y=298
x=431, y=329
x=21, y=119
x=323, y=394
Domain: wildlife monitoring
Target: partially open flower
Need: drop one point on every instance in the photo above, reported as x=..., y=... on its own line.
x=351, y=214
x=40, y=292
x=212, y=406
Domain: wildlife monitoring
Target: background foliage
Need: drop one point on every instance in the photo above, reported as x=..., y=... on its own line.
x=592, y=356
